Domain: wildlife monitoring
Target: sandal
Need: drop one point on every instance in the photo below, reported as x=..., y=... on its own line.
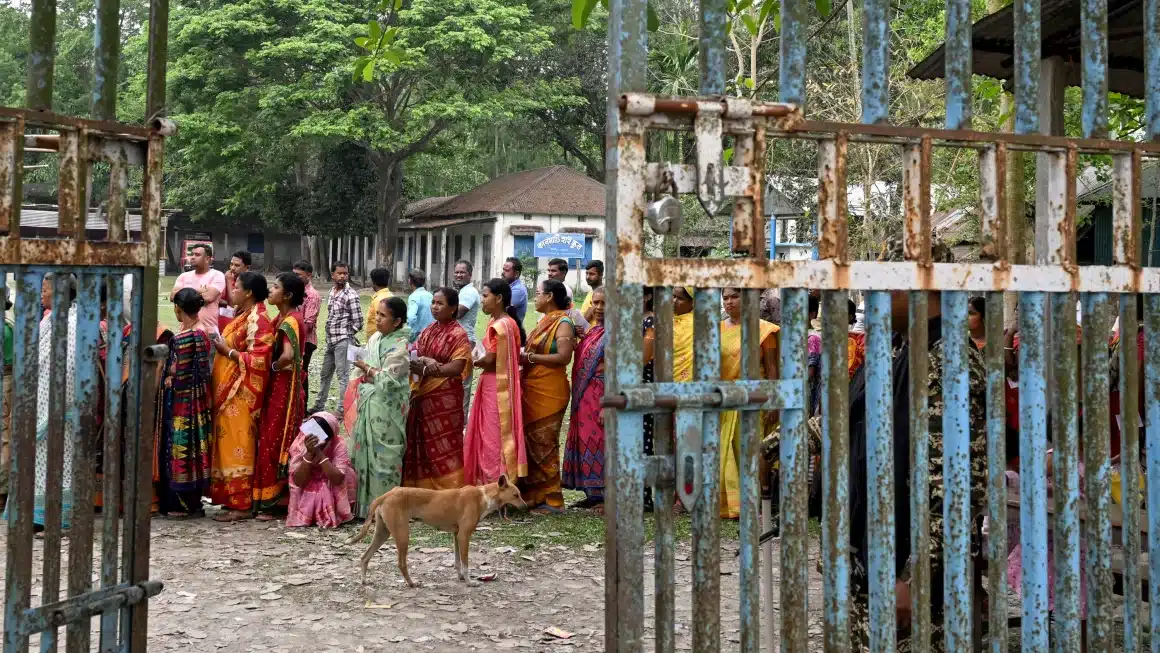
x=545, y=509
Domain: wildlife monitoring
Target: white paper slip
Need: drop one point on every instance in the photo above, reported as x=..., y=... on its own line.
x=354, y=353
x=478, y=352
x=312, y=427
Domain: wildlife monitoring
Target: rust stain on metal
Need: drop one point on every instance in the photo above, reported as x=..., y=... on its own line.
x=70, y=252
x=992, y=188
x=11, y=167
x=73, y=178
x=643, y=103
x=968, y=138
x=832, y=198
x=746, y=218
x=55, y=121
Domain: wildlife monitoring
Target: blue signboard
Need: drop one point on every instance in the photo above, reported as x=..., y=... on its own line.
x=567, y=246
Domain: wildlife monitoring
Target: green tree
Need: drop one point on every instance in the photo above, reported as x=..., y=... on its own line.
x=433, y=64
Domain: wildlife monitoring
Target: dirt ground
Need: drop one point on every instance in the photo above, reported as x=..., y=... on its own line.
x=253, y=586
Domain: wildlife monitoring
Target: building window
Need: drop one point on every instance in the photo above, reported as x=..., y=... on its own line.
x=582, y=219
x=399, y=248
x=472, y=255
x=423, y=252
x=458, y=247
x=525, y=245
x=256, y=244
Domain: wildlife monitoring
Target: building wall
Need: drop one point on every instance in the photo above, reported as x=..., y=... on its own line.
x=506, y=242
x=279, y=250
x=487, y=261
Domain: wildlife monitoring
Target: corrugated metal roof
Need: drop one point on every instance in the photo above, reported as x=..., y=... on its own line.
x=993, y=44
x=557, y=190
x=33, y=218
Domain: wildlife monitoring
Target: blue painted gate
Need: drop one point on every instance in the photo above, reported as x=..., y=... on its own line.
x=1055, y=378
x=53, y=389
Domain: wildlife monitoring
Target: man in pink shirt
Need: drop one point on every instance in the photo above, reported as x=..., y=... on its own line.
x=310, y=308
x=210, y=283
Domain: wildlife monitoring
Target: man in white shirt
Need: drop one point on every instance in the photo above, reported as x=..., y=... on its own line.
x=558, y=270
x=208, y=282
x=467, y=317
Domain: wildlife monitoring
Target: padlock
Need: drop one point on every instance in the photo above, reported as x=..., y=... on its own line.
x=664, y=216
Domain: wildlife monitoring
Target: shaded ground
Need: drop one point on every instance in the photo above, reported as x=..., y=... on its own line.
x=251, y=586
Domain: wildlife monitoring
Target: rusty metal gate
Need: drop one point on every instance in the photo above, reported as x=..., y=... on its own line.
x=57, y=379
x=1048, y=292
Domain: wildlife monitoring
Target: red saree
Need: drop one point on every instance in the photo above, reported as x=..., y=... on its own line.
x=434, y=455
x=281, y=417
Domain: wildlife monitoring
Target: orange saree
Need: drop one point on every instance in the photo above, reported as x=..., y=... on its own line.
x=546, y=397
x=239, y=388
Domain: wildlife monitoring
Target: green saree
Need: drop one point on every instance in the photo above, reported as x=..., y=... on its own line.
x=380, y=434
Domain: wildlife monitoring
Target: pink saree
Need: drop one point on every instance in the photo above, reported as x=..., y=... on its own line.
x=494, y=443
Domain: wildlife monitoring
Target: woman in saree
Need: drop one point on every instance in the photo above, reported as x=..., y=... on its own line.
x=434, y=457
x=322, y=479
x=682, y=333
x=286, y=401
x=384, y=393
x=185, y=414
x=584, y=448
x=545, y=396
x=494, y=443
x=44, y=406
x=730, y=498
x=241, y=375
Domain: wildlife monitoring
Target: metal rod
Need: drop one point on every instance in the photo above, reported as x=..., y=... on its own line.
x=875, y=61
x=22, y=477
x=958, y=64
x=106, y=56
x=793, y=468
x=111, y=461
x=56, y=509
x=665, y=576
x=879, y=479
x=1094, y=52
x=158, y=56
x=705, y=516
x=1130, y=475
x=1097, y=469
x=835, y=472
x=1032, y=469
x=956, y=424
x=1028, y=50
x=750, y=483
x=672, y=402
x=661, y=104
x=83, y=428
x=1065, y=465
x=1152, y=423
x=41, y=54
x=996, y=472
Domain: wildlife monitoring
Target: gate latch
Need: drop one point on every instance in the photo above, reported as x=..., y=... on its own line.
x=690, y=458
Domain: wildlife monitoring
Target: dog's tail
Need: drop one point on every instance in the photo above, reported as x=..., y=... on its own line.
x=374, y=509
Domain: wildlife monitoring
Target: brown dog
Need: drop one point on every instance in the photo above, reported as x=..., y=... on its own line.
x=454, y=511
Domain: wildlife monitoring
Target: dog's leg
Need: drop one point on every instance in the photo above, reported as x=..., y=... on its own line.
x=463, y=544
x=402, y=533
x=381, y=534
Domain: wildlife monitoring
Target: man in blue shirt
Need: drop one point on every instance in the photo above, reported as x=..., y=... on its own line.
x=418, y=304
x=512, y=269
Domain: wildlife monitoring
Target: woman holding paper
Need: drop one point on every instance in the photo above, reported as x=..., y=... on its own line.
x=384, y=393
x=322, y=480
x=241, y=377
x=286, y=402
x=434, y=457
x=494, y=444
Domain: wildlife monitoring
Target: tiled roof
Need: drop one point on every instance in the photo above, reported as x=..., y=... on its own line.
x=558, y=190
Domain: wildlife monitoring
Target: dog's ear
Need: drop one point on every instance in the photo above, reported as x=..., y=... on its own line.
x=503, y=482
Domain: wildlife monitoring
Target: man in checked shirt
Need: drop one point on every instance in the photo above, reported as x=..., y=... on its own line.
x=343, y=321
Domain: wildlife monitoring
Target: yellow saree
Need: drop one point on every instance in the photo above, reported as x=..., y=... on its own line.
x=730, y=501
x=683, y=347
x=546, y=396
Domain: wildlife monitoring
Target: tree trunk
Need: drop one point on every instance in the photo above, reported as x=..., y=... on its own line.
x=389, y=209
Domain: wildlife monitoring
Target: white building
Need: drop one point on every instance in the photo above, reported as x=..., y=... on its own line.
x=499, y=219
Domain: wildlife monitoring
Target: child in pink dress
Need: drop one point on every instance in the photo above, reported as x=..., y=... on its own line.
x=322, y=480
